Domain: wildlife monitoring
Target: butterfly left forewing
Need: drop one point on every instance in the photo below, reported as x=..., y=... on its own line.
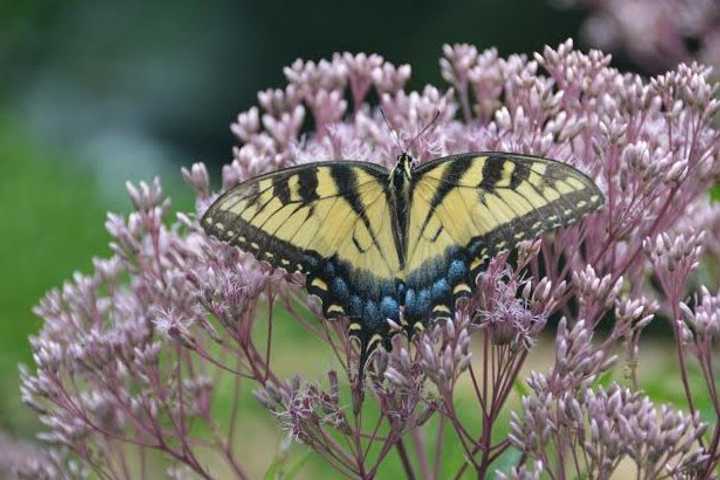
x=328, y=220
x=467, y=208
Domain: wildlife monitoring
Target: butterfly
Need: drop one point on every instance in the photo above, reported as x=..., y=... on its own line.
x=402, y=244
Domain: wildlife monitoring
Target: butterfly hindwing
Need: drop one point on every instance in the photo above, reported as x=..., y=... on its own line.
x=467, y=208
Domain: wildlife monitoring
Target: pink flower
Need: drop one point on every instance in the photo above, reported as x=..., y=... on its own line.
x=658, y=34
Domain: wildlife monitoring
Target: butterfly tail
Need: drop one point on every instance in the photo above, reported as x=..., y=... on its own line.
x=365, y=350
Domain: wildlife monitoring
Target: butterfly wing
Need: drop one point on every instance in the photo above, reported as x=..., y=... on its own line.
x=329, y=220
x=467, y=208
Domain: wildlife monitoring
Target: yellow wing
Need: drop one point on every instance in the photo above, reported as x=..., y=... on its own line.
x=329, y=220
x=466, y=208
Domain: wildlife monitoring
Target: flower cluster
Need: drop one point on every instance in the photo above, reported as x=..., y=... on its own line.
x=658, y=34
x=568, y=417
x=22, y=460
x=134, y=353
x=599, y=428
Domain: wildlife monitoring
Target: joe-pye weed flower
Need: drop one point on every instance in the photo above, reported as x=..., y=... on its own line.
x=131, y=357
x=656, y=34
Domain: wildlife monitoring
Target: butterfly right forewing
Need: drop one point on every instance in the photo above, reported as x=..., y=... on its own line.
x=467, y=208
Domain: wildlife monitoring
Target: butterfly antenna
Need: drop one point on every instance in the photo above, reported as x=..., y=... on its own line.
x=392, y=131
x=427, y=127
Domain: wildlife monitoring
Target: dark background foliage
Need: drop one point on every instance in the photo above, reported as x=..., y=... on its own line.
x=172, y=75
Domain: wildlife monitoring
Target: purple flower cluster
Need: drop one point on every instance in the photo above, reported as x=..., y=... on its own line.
x=590, y=433
x=132, y=354
x=658, y=34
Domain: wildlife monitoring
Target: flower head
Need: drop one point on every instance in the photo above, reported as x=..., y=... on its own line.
x=657, y=34
x=609, y=426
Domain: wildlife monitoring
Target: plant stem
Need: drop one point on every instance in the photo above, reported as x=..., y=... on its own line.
x=439, y=441
x=409, y=473
x=420, y=452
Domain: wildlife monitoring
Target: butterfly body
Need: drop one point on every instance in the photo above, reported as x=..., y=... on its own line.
x=403, y=244
x=399, y=189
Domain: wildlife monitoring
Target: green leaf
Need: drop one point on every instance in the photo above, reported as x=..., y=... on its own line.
x=286, y=466
x=605, y=379
x=715, y=193
x=520, y=387
x=297, y=465
x=507, y=460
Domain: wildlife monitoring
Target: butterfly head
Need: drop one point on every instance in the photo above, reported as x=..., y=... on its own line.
x=402, y=173
x=405, y=162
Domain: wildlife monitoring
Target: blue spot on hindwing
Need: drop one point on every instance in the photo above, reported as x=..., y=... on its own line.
x=366, y=285
x=410, y=306
x=387, y=288
x=355, y=306
x=440, y=290
x=339, y=289
x=389, y=308
x=329, y=269
x=371, y=315
x=423, y=302
x=311, y=262
x=457, y=271
x=434, y=269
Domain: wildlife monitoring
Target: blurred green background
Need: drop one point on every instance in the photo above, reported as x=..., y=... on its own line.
x=94, y=93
